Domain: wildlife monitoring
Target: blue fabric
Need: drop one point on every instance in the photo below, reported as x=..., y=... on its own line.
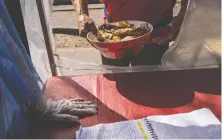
x=20, y=84
x=106, y=15
x=9, y=72
x=14, y=123
x=4, y=16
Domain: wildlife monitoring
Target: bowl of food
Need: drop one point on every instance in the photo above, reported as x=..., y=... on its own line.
x=118, y=39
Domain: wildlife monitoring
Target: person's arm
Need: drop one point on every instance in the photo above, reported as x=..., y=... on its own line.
x=173, y=29
x=81, y=7
x=85, y=23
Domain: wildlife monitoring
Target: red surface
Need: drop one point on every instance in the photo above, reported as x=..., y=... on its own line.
x=135, y=95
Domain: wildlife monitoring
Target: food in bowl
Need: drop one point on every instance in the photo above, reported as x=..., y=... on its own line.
x=120, y=31
x=125, y=43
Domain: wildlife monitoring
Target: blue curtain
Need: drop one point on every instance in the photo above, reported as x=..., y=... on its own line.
x=20, y=85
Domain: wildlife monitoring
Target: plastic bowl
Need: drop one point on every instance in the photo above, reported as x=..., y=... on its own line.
x=117, y=50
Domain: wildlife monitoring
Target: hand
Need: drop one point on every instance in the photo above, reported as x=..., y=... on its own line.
x=167, y=34
x=66, y=110
x=86, y=24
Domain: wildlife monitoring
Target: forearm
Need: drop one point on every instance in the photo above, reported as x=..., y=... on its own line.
x=81, y=7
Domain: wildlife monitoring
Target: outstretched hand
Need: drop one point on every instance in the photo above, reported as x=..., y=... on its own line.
x=65, y=110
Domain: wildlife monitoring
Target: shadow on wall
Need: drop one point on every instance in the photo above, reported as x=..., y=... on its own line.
x=167, y=89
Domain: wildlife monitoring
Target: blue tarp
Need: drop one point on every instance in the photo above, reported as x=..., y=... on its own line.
x=20, y=85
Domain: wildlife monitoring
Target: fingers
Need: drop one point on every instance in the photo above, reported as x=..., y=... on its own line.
x=77, y=107
x=60, y=103
x=82, y=112
x=93, y=28
x=82, y=106
x=163, y=39
x=65, y=118
x=83, y=30
x=81, y=101
x=86, y=25
x=77, y=100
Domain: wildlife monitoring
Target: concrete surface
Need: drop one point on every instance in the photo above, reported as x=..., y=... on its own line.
x=87, y=55
x=71, y=7
x=78, y=61
x=65, y=16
